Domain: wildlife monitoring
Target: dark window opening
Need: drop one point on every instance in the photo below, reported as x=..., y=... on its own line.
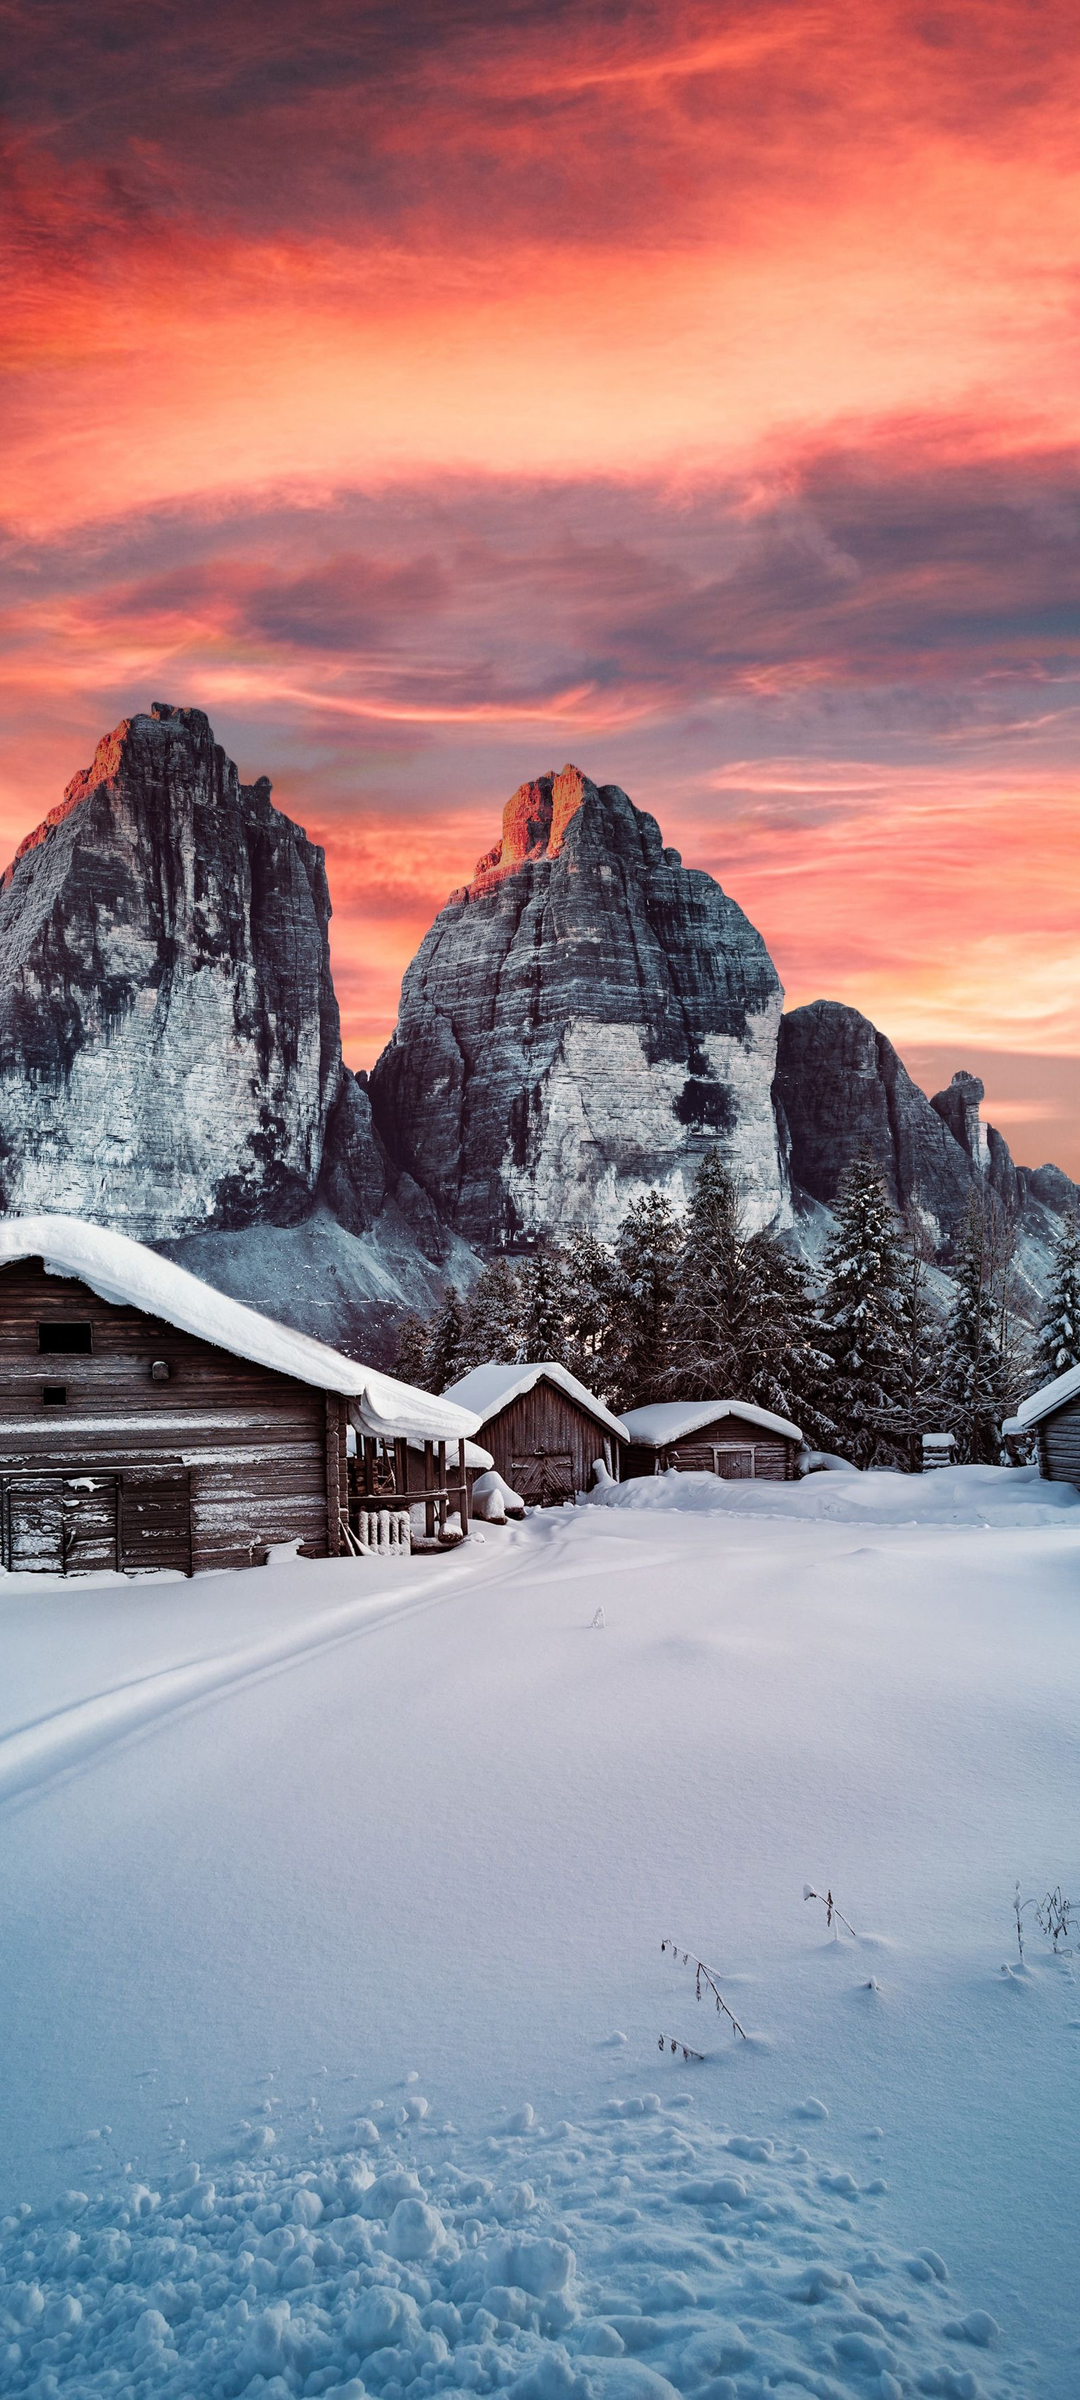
x=57, y=1336
x=54, y=1395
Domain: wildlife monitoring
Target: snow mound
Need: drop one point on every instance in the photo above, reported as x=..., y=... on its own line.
x=630, y=2264
x=971, y=1496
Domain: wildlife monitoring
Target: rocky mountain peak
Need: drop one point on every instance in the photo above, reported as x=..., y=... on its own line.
x=170, y=1052
x=583, y=1020
x=958, y=1106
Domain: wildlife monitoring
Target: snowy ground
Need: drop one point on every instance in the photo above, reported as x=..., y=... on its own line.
x=288, y=1855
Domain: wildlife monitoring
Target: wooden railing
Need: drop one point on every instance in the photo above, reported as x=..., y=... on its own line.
x=384, y=1479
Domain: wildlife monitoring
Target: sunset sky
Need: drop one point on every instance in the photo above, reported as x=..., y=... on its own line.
x=437, y=393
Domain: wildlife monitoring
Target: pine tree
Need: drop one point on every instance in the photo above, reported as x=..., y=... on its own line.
x=784, y=1364
x=1058, y=1345
x=493, y=1318
x=446, y=1337
x=543, y=1330
x=713, y=1315
x=921, y=1400
x=592, y=1286
x=410, y=1365
x=861, y=1317
x=645, y=1271
x=975, y=1375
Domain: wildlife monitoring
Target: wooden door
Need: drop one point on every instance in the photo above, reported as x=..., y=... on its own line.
x=735, y=1465
x=60, y=1524
x=155, y=1518
x=544, y=1478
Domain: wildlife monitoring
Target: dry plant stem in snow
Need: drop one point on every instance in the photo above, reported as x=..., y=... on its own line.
x=669, y=2042
x=1052, y=1917
x=703, y=1975
x=830, y=1908
x=1018, y=1912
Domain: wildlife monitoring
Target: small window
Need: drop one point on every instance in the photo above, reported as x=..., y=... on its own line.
x=54, y=1395
x=57, y=1336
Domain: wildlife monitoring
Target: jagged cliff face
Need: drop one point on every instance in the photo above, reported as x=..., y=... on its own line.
x=170, y=1055
x=584, y=1020
x=841, y=1089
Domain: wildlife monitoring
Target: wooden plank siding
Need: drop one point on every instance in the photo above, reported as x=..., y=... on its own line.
x=1059, y=1443
x=731, y=1447
x=214, y=1463
x=546, y=1439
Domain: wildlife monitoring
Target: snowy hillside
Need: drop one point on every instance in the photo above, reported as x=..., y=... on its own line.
x=332, y=1987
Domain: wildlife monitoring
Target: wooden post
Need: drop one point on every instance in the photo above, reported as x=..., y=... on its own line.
x=464, y=1488
x=401, y=1465
x=429, y=1487
x=442, y=1489
x=333, y=1475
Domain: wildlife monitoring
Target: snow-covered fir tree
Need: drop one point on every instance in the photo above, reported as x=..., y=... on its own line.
x=411, y=1362
x=494, y=1318
x=646, y=1258
x=713, y=1308
x=975, y=1377
x=446, y=1341
x=1058, y=1343
x=861, y=1313
x=593, y=1289
x=785, y=1366
x=921, y=1399
x=542, y=1284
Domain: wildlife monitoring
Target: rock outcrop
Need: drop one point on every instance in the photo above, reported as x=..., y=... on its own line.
x=584, y=1019
x=841, y=1089
x=170, y=1053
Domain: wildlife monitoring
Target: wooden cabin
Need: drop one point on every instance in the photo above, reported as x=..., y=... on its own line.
x=147, y=1421
x=729, y=1438
x=1052, y=1416
x=544, y=1429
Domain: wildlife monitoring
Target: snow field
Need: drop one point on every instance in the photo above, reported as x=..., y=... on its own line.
x=637, y=2257
x=269, y=1839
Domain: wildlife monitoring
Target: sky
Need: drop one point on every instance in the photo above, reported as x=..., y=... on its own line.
x=436, y=393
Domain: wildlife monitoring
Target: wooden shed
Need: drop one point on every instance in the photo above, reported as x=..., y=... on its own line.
x=730, y=1438
x=544, y=1429
x=148, y=1421
x=1052, y=1416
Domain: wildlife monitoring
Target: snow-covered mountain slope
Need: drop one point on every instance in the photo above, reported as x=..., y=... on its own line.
x=281, y=1841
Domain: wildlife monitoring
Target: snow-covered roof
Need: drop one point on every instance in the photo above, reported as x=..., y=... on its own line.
x=672, y=1420
x=126, y=1272
x=1064, y=1387
x=491, y=1387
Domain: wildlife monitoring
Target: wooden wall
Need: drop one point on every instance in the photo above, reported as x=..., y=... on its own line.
x=546, y=1440
x=1059, y=1444
x=720, y=1448
x=203, y=1470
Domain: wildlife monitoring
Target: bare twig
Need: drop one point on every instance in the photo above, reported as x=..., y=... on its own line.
x=830, y=1908
x=668, y=2042
x=1052, y=1916
x=1018, y=1912
x=704, y=1975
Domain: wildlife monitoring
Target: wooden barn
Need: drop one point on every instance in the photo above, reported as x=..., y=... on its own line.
x=545, y=1431
x=149, y=1421
x=713, y=1437
x=1052, y=1416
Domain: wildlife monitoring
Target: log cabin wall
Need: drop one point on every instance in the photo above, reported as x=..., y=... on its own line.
x=545, y=1440
x=202, y=1468
x=1059, y=1444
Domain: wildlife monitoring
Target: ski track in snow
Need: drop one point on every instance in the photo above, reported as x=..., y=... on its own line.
x=65, y=1740
x=637, y=2257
